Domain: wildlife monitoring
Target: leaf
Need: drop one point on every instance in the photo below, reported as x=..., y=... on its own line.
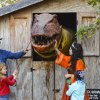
x=88, y=31
x=7, y=2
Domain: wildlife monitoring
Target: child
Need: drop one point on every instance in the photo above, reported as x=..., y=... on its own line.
x=72, y=62
x=5, y=82
x=77, y=89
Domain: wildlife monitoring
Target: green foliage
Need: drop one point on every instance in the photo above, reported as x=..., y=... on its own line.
x=6, y=2
x=94, y=2
x=88, y=31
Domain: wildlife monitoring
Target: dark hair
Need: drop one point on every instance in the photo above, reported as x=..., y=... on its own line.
x=79, y=75
x=77, y=53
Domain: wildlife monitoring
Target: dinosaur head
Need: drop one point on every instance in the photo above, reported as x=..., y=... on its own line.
x=45, y=30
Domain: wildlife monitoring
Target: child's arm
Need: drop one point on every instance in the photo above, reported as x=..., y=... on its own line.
x=10, y=82
x=68, y=79
x=10, y=77
x=70, y=90
x=71, y=77
x=13, y=75
x=61, y=59
x=15, y=55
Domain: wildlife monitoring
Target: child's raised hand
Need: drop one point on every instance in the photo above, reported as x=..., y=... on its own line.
x=26, y=50
x=15, y=72
x=15, y=76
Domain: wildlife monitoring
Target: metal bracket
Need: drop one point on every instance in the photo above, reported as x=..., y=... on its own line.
x=0, y=38
x=56, y=90
x=32, y=69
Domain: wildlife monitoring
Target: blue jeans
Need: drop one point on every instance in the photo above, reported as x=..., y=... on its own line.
x=6, y=97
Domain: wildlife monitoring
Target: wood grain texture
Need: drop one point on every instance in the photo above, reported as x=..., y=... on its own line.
x=59, y=81
x=92, y=72
x=90, y=45
x=62, y=6
x=20, y=33
x=23, y=90
x=5, y=33
x=43, y=81
x=39, y=84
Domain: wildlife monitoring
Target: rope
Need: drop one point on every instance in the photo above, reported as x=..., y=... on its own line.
x=54, y=84
x=17, y=67
x=28, y=44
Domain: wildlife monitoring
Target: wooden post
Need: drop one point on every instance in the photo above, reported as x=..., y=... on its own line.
x=54, y=84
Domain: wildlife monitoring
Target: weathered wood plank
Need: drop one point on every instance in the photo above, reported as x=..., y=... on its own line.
x=59, y=81
x=63, y=5
x=20, y=33
x=43, y=81
x=42, y=78
x=90, y=45
x=5, y=33
x=23, y=90
x=92, y=72
x=12, y=32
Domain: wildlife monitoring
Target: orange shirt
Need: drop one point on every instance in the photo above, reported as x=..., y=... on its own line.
x=63, y=61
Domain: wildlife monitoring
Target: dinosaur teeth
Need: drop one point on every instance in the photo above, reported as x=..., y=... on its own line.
x=48, y=42
x=42, y=40
x=35, y=39
x=41, y=37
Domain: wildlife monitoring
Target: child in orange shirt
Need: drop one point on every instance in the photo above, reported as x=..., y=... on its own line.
x=72, y=63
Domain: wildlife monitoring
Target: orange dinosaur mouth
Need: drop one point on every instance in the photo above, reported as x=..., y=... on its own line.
x=42, y=43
